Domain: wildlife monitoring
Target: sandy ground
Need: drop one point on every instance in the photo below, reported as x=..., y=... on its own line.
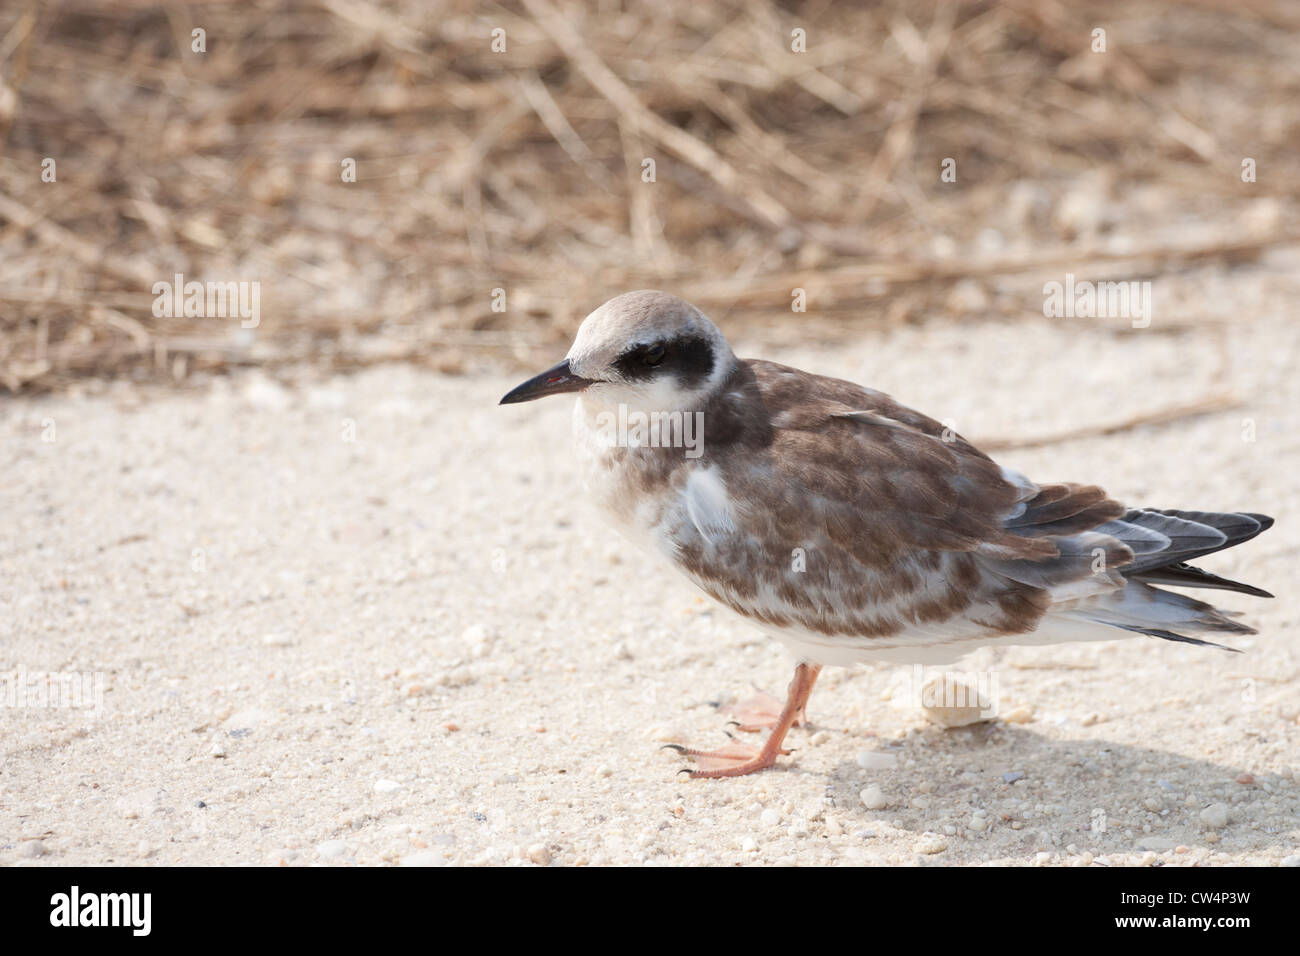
x=419, y=647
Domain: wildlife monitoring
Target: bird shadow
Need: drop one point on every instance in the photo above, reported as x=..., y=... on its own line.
x=1001, y=792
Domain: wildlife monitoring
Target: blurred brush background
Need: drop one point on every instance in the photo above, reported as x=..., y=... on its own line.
x=522, y=170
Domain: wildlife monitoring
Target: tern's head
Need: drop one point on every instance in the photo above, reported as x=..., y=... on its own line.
x=648, y=350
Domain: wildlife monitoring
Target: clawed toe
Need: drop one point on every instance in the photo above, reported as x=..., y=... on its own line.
x=735, y=759
x=730, y=760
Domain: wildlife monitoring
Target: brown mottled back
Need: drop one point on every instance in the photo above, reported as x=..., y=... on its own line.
x=903, y=523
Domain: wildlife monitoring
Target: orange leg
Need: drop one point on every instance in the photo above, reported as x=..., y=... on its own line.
x=736, y=759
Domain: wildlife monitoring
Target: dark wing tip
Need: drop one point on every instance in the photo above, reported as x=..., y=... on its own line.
x=1265, y=522
x=1180, y=638
x=1183, y=575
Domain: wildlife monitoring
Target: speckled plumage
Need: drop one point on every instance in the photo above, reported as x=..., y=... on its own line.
x=854, y=528
x=850, y=527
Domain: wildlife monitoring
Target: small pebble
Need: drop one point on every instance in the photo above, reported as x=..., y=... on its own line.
x=953, y=703
x=1155, y=843
x=1011, y=776
x=1215, y=816
x=539, y=854
x=874, y=760
x=387, y=786
x=929, y=844
x=1292, y=861
x=1019, y=715
x=769, y=817
x=873, y=798
x=1245, y=779
x=749, y=845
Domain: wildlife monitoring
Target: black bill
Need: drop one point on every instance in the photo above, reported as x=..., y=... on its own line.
x=551, y=382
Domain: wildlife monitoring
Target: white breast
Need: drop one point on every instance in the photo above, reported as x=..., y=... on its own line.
x=692, y=499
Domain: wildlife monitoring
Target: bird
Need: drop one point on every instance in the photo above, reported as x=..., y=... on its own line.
x=848, y=526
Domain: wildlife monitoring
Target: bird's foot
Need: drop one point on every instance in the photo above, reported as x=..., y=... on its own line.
x=737, y=759
x=730, y=760
x=760, y=712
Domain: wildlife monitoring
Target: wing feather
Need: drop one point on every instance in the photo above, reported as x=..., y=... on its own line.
x=913, y=535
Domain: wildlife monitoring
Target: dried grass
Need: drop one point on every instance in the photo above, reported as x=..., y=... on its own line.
x=522, y=170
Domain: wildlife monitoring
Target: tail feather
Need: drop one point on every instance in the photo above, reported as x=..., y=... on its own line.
x=1162, y=543
x=1181, y=638
x=1186, y=576
x=1194, y=534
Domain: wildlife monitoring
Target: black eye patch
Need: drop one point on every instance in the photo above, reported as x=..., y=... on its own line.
x=690, y=359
